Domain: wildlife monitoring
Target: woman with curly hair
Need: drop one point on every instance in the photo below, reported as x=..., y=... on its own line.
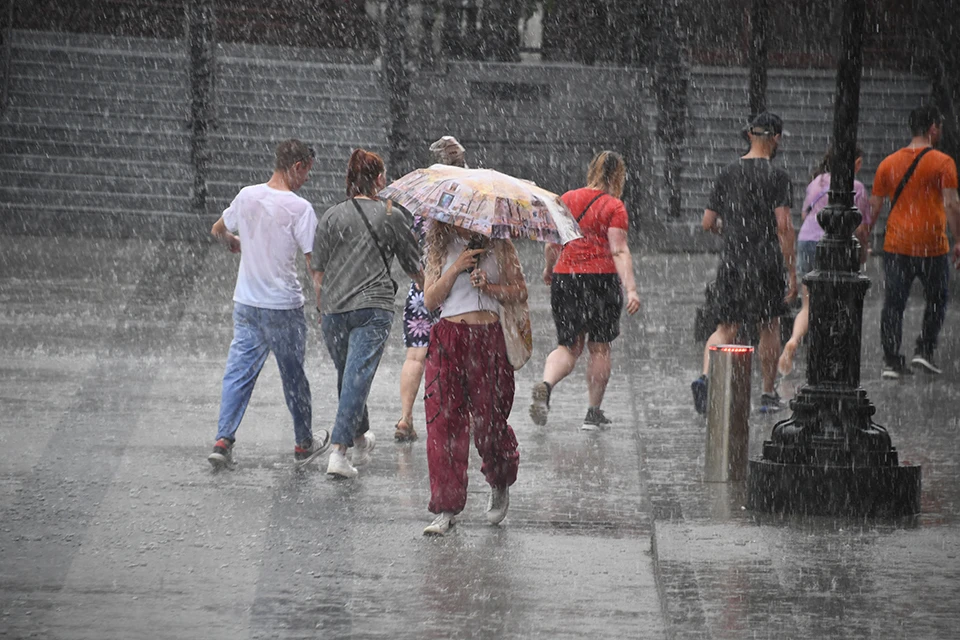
x=469, y=379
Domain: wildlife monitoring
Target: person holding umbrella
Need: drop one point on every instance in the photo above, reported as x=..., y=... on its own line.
x=355, y=243
x=587, y=280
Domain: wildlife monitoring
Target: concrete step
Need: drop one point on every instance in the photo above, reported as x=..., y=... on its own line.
x=98, y=57
x=318, y=133
x=123, y=201
x=227, y=115
x=121, y=105
x=234, y=53
x=130, y=137
x=275, y=86
x=314, y=80
x=172, y=123
x=118, y=151
x=297, y=101
x=27, y=69
x=109, y=186
x=62, y=89
x=102, y=221
x=228, y=144
x=97, y=167
x=62, y=39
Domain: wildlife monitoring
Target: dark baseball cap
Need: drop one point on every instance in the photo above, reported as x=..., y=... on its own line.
x=765, y=124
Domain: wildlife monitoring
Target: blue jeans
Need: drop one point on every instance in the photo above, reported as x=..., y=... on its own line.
x=257, y=332
x=355, y=340
x=899, y=271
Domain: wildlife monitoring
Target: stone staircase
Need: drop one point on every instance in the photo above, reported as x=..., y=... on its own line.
x=95, y=134
x=266, y=94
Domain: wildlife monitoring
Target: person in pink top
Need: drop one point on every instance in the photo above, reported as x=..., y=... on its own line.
x=817, y=197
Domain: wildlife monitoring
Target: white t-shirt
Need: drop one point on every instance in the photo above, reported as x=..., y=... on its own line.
x=273, y=225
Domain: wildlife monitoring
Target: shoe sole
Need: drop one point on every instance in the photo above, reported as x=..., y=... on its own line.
x=365, y=456
x=337, y=475
x=219, y=461
x=538, y=405
x=586, y=426
x=925, y=365
x=322, y=449
x=430, y=531
x=890, y=375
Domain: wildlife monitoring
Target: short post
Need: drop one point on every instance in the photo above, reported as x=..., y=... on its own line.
x=728, y=413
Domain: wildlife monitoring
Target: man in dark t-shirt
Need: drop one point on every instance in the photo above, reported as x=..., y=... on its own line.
x=750, y=206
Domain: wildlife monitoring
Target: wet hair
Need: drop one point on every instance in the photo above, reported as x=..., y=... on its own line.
x=437, y=242
x=607, y=172
x=363, y=169
x=922, y=118
x=827, y=161
x=290, y=152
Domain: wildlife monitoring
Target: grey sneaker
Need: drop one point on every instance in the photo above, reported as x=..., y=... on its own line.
x=925, y=364
x=361, y=452
x=595, y=419
x=540, y=404
x=339, y=466
x=498, y=504
x=306, y=452
x=894, y=370
x=222, y=456
x=440, y=525
x=770, y=402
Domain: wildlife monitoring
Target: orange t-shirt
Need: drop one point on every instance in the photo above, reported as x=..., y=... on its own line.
x=591, y=253
x=917, y=225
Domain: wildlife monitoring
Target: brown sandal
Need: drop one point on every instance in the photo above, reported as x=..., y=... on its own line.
x=404, y=432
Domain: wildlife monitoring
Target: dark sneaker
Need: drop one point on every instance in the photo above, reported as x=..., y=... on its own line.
x=540, y=403
x=894, y=370
x=770, y=402
x=699, y=388
x=595, y=419
x=222, y=455
x=925, y=364
x=306, y=452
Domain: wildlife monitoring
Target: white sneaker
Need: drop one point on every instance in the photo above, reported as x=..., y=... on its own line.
x=539, y=403
x=338, y=465
x=440, y=525
x=498, y=504
x=361, y=452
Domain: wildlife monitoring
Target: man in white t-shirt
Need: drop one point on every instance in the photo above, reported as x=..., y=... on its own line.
x=272, y=224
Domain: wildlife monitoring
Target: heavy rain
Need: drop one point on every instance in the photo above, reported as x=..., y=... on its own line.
x=628, y=473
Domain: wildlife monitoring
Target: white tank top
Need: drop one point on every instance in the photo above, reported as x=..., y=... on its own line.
x=464, y=297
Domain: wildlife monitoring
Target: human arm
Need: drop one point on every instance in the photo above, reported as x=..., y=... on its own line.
x=406, y=245
x=223, y=235
x=951, y=205
x=623, y=261
x=711, y=221
x=551, y=253
x=436, y=290
x=788, y=236
x=876, y=204
x=512, y=287
x=317, y=286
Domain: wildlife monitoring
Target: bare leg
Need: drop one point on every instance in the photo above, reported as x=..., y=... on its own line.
x=598, y=371
x=410, y=376
x=561, y=362
x=800, y=326
x=725, y=334
x=769, y=348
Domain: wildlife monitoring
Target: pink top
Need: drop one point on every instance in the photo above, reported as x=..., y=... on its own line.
x=817, y=198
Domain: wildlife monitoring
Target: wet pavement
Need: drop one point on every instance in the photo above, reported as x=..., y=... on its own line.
x=113, y=526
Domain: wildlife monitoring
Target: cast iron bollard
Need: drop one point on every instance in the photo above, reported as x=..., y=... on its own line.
x=728, y=413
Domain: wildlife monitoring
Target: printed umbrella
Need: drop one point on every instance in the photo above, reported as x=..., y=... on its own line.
x=486, y=202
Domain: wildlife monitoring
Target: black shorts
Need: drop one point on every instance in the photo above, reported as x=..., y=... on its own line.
x=748, y=291
x=587, y=303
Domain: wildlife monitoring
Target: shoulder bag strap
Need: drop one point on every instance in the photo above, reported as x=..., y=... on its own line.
x=376, y=241
x=589, y=204
x=907, y=176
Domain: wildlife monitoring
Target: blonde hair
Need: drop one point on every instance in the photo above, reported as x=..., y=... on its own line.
x=437, y=245
x=607, y=172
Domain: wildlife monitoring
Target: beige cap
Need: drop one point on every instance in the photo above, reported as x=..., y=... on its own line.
x=447, y=150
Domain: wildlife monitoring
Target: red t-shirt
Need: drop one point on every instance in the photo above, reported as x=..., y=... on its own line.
x=591, y=253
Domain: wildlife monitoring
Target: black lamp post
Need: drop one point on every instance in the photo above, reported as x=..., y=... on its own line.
x=830, y=457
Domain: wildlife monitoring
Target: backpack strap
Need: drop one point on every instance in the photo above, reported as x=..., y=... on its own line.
x=586, y=208
x=907, y=176
x=376, y=241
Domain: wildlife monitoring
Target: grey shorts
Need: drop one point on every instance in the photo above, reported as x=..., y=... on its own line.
x=806, y=253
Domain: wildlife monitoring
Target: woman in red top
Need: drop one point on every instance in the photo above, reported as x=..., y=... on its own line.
x=587, y=279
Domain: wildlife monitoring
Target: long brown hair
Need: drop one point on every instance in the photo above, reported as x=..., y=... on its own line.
x=607, y=172
x=363, y=169
x=827, y=160
x=437, y=244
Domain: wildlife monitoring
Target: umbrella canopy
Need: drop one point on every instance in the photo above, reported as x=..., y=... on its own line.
x=486, y=202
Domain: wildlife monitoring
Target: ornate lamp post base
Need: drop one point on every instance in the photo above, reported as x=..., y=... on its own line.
x=869, y=492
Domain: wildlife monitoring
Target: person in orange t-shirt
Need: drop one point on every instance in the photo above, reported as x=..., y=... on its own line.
x=588, y=278
x=916, y=244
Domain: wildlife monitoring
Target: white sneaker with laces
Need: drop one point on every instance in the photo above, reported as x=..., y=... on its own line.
x=338, y=465
x=363, y=448
x=440, y=525
x=498, y=504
